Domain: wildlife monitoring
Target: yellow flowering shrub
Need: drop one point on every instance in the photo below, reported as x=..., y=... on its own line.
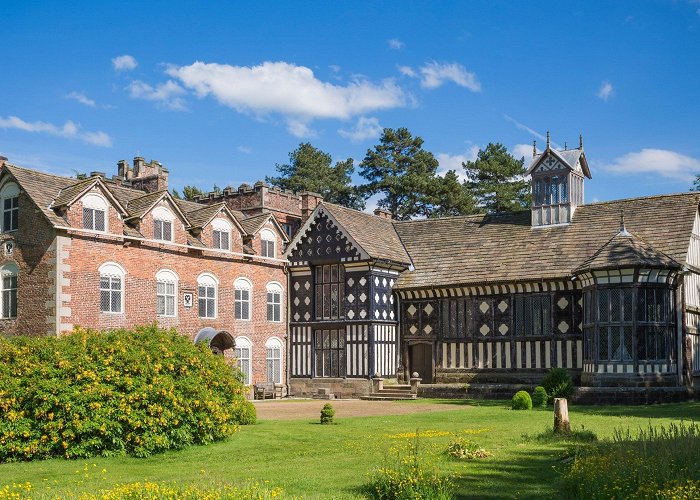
x=117, y=392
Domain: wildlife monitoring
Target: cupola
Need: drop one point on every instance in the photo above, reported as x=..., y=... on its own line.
x=557, y=183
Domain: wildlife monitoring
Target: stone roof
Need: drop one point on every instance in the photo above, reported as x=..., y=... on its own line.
x=252, y=224
x=505, y=248
x=138, y=207
x=70, y=193
x=627, y=250
x=569, y=157
x=376, y=235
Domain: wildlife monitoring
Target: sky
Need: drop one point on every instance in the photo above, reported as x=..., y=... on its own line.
x=221, y=92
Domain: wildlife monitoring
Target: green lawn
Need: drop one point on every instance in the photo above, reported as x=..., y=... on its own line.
x=315, y=461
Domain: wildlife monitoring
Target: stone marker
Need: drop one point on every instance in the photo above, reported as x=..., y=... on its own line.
x=561, y=416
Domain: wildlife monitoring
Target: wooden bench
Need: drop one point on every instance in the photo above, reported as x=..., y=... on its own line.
x=267, y=390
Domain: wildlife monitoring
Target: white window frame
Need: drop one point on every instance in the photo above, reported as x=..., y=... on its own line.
x=166, y=277
x=8, y=271
x=274, y=288
x=221, y=226
x=163, y=216
x=10, y=191
x=96, y=203
x=267, y=236
x=271, y=358
x=113, y=271
x=206, y=280
x=244, y=343
x=240, y=286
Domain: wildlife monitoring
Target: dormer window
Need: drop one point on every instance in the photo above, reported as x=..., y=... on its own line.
x=94, y=213
x=221, y=234
x=267, y=241
x=163, y=224
x=10, y=207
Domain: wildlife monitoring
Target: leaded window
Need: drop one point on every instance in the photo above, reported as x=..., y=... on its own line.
x=207, y=296
x=222, y=240
x=329, y=349
x=165, y=297
x=242, y=354
x=10, y=214
x=273, y=361
x=242, y=308
x=8, y=295
x=615, y=317
x=267, y=243
x=111, y=293
x=654, y=324
x=163, y=230
x=274, y=302
x=94, y=219
x=533, y=315
x=330, y=290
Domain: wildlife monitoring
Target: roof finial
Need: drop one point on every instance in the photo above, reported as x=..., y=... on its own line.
x=565, y=148
x=548, y=139
x=623, y=230
x=534, y=148
x=580, y=141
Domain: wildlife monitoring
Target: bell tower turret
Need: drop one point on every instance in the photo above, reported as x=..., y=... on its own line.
x=557, y=183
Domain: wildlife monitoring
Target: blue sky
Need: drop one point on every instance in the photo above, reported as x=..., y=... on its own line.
x=221, y=92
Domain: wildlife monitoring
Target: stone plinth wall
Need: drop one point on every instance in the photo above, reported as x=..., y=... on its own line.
x=341, y=388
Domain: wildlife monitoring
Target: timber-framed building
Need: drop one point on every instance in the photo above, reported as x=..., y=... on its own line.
x=609, y=291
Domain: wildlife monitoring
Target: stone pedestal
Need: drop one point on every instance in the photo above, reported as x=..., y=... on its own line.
x=561, y=416
x=415, y=382
x=377, y=384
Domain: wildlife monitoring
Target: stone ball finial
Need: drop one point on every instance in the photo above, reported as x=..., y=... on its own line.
x=414, y=375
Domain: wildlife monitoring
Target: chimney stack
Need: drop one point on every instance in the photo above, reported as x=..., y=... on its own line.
x=384, y=214
x=309, y=201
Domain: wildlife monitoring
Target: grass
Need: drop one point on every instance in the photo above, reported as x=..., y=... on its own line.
x=318, y=461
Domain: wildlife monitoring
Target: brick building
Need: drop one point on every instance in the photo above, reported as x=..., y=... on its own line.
x=118, y=252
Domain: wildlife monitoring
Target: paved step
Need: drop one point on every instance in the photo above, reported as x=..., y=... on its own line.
x=381, y=397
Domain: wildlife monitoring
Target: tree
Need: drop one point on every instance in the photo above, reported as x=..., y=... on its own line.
x=189, y=193
x=696, y=183
x=497, y=180
x=404, y=173
x=452, y=197
x=310, y=169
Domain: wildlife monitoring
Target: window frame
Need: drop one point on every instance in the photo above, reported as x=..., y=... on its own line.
x=324, y=352
x=267, y=239
x=161, y=217
x=93, y=202
x=221, y=227
x=240, y=286
x=167, y=277
x=10, y=192
x=274, y=289
x=9, y=271
x=207, y=281
x=273, y=363
x=112, y=271
x=243, y=342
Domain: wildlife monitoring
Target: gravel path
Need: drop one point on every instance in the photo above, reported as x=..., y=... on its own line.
x=311, y=408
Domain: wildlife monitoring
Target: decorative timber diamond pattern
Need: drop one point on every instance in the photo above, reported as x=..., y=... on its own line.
x=562, y=303
x=307, y=301
x=563, y=327
x=503, y=329
x=411, y=310
x=351, y=281
x=376, y=314
x=307, y=285
x=427, y=329
x=376, y=298
x=296, y=285
x=363, y=313
x=351, y=314
x=484, y=330
x=296, y=301
x=428, y=309
x=363, y=297
x=376, y=281
x=502, y=306
x=307, y=316
x=483, y=307
x=363, y=281
x=351, y=298
x=413, y=329
x=296, y=316
x=384, y=282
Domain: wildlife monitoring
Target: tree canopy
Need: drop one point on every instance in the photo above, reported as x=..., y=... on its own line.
x=497, y=180
x=310, y=169
x=189, y=193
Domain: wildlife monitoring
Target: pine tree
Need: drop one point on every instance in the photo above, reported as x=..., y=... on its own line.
x=453, y=197
x=310, y=169
x=497, y=180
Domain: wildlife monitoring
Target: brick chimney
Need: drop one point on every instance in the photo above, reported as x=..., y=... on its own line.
x=3, y=159
x=384, y=214
x=147, y=176
x=309, y=201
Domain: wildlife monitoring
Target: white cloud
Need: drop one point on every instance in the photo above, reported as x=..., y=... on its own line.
x=81, y=98
x=69, y=130
x=395, y=44
x=434, y=75
x=124, y=63
x=522, y=150
x=293, y=91
x=448, y=161
x=365, y=128
x=524, y=127
x=605, y=90
x=407, y=71
x=244, y=149
x=166, y=94
x=300, y=128
x=335, y=68
x=657, y=161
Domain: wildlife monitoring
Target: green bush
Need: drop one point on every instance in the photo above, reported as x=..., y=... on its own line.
x=135, y=392
x=466, y=449
x=539, y=397
x=327, y=414
x=558, y=384
x=521, y=401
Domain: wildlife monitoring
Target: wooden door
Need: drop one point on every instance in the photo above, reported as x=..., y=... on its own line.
x=421, y=361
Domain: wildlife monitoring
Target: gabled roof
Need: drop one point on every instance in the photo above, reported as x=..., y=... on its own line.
x=253, y=224
x=627, y=250
x=139, y=207
x=374, y=237
x=569, y=157
x=69, y=195
x=505, y=248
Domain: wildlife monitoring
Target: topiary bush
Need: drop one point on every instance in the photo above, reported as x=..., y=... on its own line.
x=558, y=384
x=539, y=397
x=521, y=401
x=118, y=392
x=327, y=414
